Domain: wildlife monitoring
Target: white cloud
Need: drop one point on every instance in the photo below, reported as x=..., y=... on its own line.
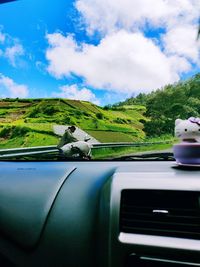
x=11, y=89
x=73, y=92
x=107, y=16
x=179, y=64
x=181, y=40
x=41, y=67
x=126, y=62
x=11, y=48
x=13, y=53
x=2, y=37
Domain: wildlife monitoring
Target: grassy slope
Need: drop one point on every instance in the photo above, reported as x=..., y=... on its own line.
x=108, y=153
x=38, y=117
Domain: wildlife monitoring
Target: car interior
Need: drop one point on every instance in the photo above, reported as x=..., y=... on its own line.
x=130, y=210
x=99, y=214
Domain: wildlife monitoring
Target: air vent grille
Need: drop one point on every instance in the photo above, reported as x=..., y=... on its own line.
x=160, y=212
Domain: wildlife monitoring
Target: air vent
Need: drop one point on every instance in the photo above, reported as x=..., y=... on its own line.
x=161, y=212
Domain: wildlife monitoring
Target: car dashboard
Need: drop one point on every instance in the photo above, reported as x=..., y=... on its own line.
x=108, y=214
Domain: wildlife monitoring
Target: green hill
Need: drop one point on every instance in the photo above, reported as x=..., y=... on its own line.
x=29, y=122
x=165, y=105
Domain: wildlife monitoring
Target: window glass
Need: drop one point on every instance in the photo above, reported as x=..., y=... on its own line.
x=96, y=79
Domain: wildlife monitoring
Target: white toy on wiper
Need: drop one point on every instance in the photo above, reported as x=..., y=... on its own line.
x=80, y=149
x=188, y=130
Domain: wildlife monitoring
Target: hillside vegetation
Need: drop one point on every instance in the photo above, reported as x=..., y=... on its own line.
x=29, y=122
x=163, y=106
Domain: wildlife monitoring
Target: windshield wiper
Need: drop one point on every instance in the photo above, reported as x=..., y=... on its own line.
x=160, y=156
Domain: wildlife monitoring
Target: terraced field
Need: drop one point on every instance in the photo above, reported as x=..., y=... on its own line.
x=29, y=122
x=110, y=136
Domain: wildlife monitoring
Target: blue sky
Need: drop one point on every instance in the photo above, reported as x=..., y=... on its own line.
x=100, y=51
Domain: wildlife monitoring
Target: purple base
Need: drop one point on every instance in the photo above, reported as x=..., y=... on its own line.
x=187, y=153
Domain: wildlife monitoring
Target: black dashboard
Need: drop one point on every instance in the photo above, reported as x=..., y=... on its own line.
x=104, y=214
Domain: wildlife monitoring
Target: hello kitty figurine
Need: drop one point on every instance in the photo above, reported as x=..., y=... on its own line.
x=188, y=130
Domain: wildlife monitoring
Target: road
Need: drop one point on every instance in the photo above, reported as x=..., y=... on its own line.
x=79, y=133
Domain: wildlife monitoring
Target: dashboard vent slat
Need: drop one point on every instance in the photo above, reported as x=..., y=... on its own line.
x=160, y=212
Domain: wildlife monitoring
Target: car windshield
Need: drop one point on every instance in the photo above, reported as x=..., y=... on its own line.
x=82, y=79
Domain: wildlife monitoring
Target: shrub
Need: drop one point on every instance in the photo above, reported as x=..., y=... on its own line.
x=5, y=132
x=34, y=113
x=107, y=107
x=119, y=120
x=49, y=110
x=95, y=122
x=18, y=131
x=158, y=127
x=77, y=113
x=99, y=116
x=86, y=114
x=66, y=119
x=142, y=121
